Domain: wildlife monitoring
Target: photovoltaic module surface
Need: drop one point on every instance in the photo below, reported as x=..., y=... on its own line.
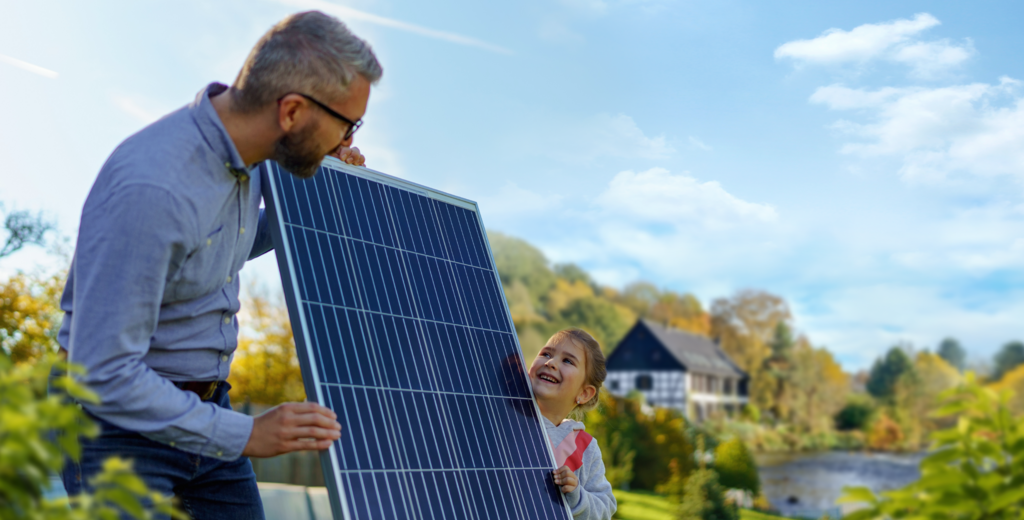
x=402, y=329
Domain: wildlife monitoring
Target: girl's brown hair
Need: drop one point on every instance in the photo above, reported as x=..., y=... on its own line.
x=596, y=371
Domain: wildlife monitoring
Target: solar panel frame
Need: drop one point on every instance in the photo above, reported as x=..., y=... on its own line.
x=303, y=341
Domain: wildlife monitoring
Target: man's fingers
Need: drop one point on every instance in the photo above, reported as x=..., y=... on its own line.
x=306, y=445
x=313, y=432
x=309, y=407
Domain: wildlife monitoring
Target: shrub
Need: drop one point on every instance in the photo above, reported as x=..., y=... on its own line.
x=29, y=453
x=704, y=499
x=885, y=434
x=736, y=467
x=855, y=415
x=975, y=468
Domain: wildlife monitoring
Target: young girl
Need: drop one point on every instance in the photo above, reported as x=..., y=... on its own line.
x=566, y=378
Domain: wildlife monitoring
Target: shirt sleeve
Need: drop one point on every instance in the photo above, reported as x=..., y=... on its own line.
x=592, y=499
x=264, y=240
x=129, y=246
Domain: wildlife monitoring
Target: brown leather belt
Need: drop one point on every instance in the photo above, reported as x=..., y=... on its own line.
x=204, y=389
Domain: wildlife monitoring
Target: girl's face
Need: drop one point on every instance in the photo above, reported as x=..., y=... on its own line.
x=559, y=373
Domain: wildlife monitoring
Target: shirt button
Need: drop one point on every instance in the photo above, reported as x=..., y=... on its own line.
x=220, y=453
x=172, y=444
x=227, y=319
x=227, y=165
x=240, y=231
x=209, y=241
x=243, y=178
x=229, y=279
x=224, y=357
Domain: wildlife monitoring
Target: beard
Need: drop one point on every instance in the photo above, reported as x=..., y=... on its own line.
x=298, y=152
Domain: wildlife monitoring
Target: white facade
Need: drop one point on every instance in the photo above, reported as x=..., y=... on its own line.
x=697, y=395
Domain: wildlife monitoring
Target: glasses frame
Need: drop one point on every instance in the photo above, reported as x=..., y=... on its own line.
x=352, y=125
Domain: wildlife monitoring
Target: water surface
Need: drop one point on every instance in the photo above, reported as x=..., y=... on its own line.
x=816, y=480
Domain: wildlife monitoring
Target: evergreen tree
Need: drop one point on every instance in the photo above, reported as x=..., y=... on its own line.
x=1008, y=358
x=886, y=372
x=953, y=353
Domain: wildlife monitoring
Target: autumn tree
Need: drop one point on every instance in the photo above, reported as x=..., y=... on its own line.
x=744, y=326
x=265, y=370
x=30, y=315
x=917, y=391
x=816, y=389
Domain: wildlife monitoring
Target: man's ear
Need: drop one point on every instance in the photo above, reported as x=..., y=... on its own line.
x=289, y=110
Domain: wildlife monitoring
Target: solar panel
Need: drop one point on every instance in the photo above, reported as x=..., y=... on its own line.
x=402, y=329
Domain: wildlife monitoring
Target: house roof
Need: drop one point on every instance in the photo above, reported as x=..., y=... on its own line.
x=697, y=353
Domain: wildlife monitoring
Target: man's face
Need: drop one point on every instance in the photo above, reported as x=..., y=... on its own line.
x=317, y=133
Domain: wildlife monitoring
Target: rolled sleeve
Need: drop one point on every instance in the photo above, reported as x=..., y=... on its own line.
x=129, y=246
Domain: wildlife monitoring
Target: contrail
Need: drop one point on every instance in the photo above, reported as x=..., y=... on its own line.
x=36, y=69
x=354, y=14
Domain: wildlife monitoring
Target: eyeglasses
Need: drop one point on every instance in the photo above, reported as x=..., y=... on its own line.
x=352, y=125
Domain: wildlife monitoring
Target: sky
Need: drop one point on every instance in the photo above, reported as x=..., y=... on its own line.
x=864, y=160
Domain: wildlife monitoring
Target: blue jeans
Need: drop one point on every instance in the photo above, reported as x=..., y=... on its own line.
x=205, y=488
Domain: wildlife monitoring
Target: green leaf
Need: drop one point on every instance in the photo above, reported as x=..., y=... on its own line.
x=858, y=494
x=1006, y=498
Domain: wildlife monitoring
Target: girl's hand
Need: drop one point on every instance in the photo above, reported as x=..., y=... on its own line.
x=565, y=479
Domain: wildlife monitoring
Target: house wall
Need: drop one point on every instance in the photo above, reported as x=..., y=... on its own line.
x=680, y=390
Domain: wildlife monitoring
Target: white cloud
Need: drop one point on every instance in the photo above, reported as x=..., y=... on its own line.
x=24, y=65
x=511, y=201
x=348, y=13
x=700, y=144
x=599, y=136
x=660, y=197
x=937, y=131
x=892, y=41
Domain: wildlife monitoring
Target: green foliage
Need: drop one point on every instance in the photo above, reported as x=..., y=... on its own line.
x=28, y=452
x=975, y=469
x=1008, y=358
x=953, y=353
x=856, y=414
x=886, y=372
x=638, y=439
x=704, y=499
x=736, y=466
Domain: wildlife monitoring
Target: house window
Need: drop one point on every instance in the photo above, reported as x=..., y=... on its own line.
x=727, y=386
x=613, y=384
x=644, y=382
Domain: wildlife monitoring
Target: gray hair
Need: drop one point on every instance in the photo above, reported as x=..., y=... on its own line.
x=309, y=53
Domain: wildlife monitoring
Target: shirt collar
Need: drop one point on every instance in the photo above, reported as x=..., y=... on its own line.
x=213, y=130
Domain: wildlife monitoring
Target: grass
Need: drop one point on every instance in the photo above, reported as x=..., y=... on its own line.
x=644, y=505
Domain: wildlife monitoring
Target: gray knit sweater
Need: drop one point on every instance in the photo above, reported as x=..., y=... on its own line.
x=592, y=499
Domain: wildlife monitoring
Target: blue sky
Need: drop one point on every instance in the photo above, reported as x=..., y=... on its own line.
x=864, y=160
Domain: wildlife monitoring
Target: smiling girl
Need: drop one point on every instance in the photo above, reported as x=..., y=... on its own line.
x=566, y=378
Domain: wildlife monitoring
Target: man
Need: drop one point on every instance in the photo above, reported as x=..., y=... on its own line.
x=151, y=298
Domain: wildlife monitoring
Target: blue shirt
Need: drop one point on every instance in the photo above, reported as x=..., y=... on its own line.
x=152, y=293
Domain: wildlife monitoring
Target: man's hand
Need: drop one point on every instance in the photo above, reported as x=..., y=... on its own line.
x=292, y=427
x=565, y=479
x=350, y=155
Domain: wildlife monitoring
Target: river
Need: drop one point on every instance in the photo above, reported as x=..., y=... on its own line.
x=808, y=484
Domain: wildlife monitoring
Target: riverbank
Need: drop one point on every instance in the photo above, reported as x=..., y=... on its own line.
x=641, y=505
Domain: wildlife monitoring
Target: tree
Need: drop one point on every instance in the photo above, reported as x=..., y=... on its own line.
x=30, y=315
x=516, y=260
x=1008, y=358
x=816, y=389
x=266, y=369
x=744, y=326
x=886, y=372
x=23, y=228
x=918, y=390
x=856, y=414
x=953, y=353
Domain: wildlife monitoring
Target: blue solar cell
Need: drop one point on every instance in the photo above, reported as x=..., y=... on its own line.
x=402, y=329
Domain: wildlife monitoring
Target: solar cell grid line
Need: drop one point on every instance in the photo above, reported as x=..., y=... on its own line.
x=402, y=329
